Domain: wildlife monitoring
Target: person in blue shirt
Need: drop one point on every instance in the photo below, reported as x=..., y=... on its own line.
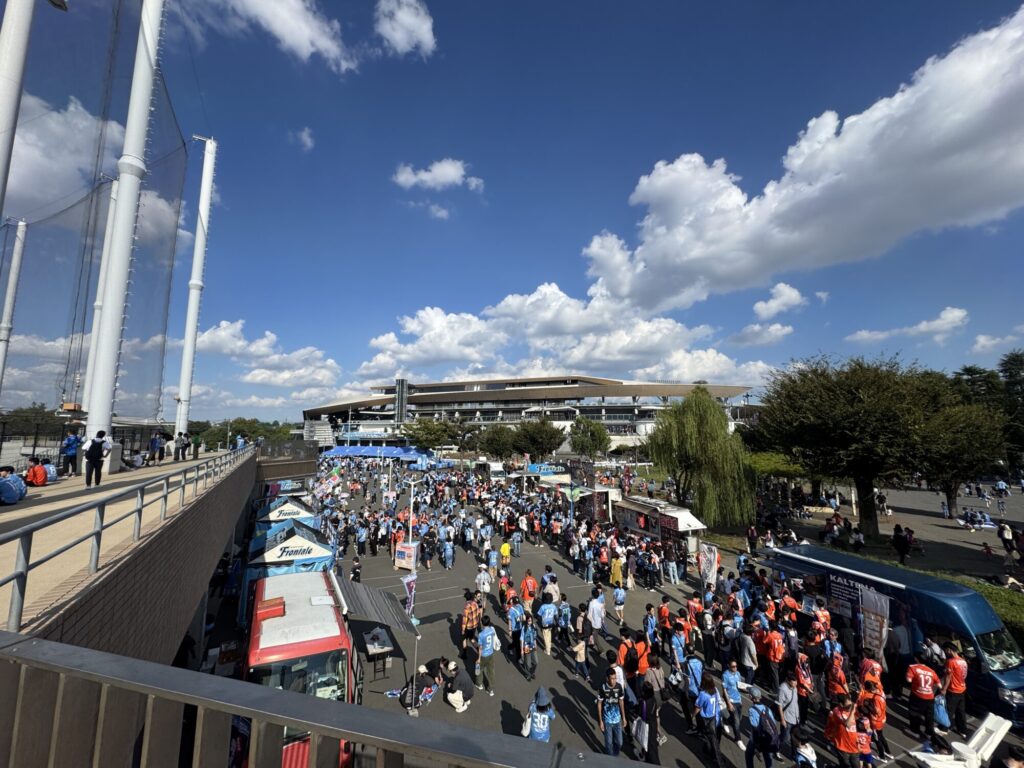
x=547, y=615
x=564, y=620
x=709, y=710
x=693, y=671
x=611, y=713
x=517, y=542
x=651, y=628
x=528, y=647
x=487, y=639
x=731, y=679
x=448, y=555
x=516, y=619
x=758, y=709
x=619, y=602
x=12, y=487
x=539, y=717
x=69, y=451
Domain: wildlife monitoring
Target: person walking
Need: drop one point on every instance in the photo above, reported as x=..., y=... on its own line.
x=923, y=685
x=547, y=615
x=764, y=731
x=789, y=712
x=954, y=687
x=96, y=450
x=841, y=733
x=537, y=725
x=611, y=712
x=528, y=648
x=709, y=715
x=489, y=644
x=650, y=717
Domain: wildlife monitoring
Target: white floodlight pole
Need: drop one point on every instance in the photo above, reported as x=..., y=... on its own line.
x=97, y=306
x=131, y=170
x=6, y=320
x=14, y=35
x=195, y=287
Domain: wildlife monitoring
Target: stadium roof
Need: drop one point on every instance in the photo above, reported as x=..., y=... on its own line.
x=566, y=387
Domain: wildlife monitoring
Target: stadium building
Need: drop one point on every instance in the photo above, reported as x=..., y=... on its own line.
x=626, y=408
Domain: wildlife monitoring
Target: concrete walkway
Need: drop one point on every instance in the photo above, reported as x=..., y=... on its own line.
x=53, y=582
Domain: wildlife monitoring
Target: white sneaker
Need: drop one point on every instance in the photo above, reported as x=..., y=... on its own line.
x=740, y=744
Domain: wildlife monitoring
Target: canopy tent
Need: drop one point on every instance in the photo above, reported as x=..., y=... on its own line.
x=288, y=546
x=278, y=511
x=404, y=453
x=375, y=605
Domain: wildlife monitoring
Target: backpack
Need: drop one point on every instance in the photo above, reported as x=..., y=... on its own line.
x=94, y=452
x=767, y=732
x=707, y=622
x=632, y=661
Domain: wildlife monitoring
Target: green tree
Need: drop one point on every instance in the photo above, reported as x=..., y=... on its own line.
x=691, y=443
x=27, y=419
x=980, y=386
x=461, y=433
x=271, y=431
x=425, y=434
x=772, y=464
x=198, y=427
x=498, y=441
x=1011, y=370
x=589, y=437
x=538, y=438
x=859, y=419
x=958, y=444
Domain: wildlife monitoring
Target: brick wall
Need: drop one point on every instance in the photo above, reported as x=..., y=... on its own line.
x=141, y=605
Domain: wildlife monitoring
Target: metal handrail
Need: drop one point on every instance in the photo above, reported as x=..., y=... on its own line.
x=394, y=735
x=24, y=564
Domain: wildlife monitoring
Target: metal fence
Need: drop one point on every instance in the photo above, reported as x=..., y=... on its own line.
x=171, y=491
x=288, y=450
x=75, y=706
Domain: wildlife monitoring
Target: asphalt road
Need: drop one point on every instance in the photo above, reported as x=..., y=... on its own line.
x=440, y=597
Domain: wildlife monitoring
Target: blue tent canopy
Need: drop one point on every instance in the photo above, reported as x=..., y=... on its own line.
x=404, y=453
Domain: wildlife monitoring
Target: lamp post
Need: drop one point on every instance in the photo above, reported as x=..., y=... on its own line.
x=416, y=552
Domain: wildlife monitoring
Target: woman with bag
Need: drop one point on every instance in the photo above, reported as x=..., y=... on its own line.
x=645, y=727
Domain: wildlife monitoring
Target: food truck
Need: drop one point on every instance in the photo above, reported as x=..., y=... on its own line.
x=659, y=520
x=300, y=641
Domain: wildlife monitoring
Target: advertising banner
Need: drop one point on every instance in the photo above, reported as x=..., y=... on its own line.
x=874, y=619
x=405, y=556
x=708, y=563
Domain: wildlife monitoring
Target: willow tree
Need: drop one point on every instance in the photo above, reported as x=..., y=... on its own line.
x=692, y=444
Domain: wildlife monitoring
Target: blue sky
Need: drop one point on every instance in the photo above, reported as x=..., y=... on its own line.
x=440, y=189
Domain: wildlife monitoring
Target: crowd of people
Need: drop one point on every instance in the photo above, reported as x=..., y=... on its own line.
x=743, y=653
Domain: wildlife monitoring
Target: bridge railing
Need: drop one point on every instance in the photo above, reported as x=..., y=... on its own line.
x=94, y=708
x=171, y=491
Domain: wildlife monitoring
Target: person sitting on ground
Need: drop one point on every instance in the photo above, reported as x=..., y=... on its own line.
x=51, y=471
x=35, y=476
x=12, y=487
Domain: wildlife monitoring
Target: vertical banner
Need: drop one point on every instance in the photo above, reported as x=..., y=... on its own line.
x=409, y=582
x=708, y=564
x=874, y=619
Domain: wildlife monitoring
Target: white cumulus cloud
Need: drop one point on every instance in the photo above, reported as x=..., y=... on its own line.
x=985, y=343
x=406, y=26
x=942, y=151
x=822, y=296
x=950, y=319
x=441, y=174
x=784, y=297
x=757, y=334
x=300, y=27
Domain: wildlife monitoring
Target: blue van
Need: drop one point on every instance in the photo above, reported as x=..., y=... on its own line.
x=923, y=606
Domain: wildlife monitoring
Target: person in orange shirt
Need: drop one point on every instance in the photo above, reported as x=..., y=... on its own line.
x=841, y=732
x=775, y=650
x=923, y=685
x=822, y=615
x=528, y=588
x=36, y=474
x=804, y=685
x=871, y=705
x=870, y=669
x=665, y=625
x=789, y=606
x=954, y=685
x=836, y=678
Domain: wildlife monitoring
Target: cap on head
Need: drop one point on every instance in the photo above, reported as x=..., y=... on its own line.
x=755, y=693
